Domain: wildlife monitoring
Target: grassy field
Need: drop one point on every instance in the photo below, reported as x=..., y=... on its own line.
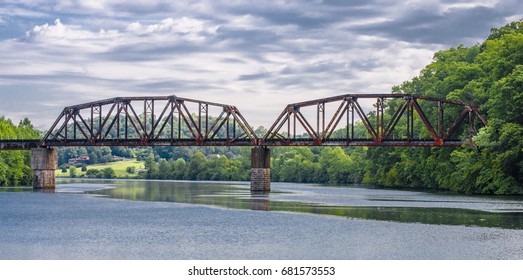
x=119, y=168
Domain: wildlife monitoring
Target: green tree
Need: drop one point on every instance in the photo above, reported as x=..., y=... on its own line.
x=490, y=75
x=130, y=170
x=72, y=172
x=152, y=171
x=179, y=167
x=165, y=169
x=14, y=165
x=196, y=167
x=108, y=173
x=93, y=173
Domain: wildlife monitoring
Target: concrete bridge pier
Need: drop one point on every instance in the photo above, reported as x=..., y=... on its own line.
x=260, y=169
x=44, y=162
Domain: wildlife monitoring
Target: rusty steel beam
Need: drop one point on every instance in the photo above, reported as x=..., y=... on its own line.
x=19, y=144
x=381, y=132
x=374, y=96
x=123, y=125
x=169, y=121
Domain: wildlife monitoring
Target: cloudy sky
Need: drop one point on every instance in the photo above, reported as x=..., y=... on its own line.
x=257, y=55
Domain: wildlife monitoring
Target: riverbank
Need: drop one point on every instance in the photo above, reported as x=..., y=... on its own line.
x=127, y=169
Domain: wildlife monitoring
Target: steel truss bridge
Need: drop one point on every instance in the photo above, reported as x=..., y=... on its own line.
x=392, y=120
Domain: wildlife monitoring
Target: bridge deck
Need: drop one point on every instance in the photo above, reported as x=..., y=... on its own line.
x=19, y=144
x=29, y=144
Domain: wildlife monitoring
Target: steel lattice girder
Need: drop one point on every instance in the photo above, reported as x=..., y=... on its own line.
x=164, y=121
x=379, y=132
x=169, y=121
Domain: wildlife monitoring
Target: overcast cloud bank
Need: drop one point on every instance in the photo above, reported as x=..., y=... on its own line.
x=257, y=55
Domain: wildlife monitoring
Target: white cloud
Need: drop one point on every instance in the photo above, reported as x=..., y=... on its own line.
x=187, y=28
x=78, y=41
x=58, y=30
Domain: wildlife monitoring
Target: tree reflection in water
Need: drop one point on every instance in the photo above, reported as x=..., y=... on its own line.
x=238, y=196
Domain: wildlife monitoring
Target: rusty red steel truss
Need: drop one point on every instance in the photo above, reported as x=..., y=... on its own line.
x=382, y=128
x=150, y=121
x=344, y=120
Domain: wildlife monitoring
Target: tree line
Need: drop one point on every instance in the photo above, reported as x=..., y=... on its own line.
x=15, y=167
x=489, y=75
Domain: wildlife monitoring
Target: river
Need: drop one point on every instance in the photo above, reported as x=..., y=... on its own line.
x=135, y=219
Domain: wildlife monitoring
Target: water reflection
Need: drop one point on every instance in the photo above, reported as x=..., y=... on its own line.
x=16, y=189
x=260, y=202
x=239, y=197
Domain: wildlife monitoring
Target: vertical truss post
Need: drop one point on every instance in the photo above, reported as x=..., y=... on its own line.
x=227, y=129
x=294, y=130
x=347, y=124
x=66, y=124
x=74, y=125
x=145, y=115
x=234, y=128
x=118, y=112
x=410, y=120
x=200, y=116
x=153, y=119
x=289, y=126
x=472, y=128
x=205, y=109
x=92, y=118
x=100, y=118
x=126, y=112
x=179, y=121
x=320, y=118
x=99, y=122
x=171, y=114
x=379, y=118
x=440, y=119
x=352, y=121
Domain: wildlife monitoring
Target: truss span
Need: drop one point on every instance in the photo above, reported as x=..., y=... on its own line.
x=345, y=120
x=150, y=121
x=375, y=120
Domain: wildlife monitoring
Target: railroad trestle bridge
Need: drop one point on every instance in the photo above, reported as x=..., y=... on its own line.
x=345, y=120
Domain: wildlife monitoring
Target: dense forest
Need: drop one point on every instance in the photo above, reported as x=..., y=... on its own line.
x=15, y=165
x=489, y=75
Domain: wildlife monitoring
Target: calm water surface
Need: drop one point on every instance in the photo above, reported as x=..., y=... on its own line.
x=216, y=220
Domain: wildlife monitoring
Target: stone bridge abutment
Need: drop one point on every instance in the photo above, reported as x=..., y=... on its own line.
x=44, y=162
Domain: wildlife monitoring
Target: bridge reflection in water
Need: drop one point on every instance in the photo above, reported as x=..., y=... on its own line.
x=397, y=206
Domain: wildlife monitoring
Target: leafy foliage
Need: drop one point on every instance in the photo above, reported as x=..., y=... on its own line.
x=15, y=167
x=491, y=76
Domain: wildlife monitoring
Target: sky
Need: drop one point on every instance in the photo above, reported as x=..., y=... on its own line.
x=256, y=55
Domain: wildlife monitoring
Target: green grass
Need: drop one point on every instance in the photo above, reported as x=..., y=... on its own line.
x=119, y=168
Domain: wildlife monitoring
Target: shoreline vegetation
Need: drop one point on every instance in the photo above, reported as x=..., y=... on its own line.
x=488, y=74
